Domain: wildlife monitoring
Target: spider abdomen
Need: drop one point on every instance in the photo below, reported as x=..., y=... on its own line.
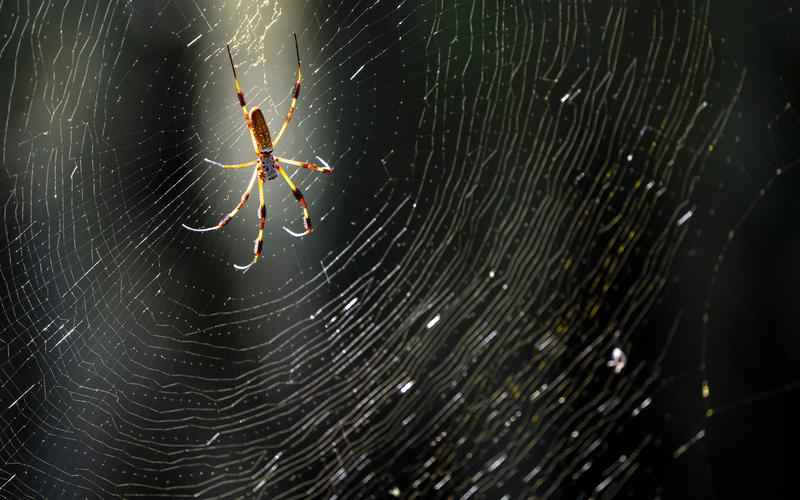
x=260, y=132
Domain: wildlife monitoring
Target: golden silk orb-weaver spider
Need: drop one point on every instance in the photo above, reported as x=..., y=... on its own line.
x=267, y=165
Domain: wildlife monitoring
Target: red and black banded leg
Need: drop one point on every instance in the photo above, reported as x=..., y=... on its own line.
x=232, y=213
x=295, y=95
x=262, y=221
x=324, y=168
x=300, y=200
x=239, y=93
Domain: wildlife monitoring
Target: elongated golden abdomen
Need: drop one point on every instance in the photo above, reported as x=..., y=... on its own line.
x=261, y=138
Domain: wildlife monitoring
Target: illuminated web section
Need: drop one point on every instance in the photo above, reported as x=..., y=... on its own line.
x=490, y=299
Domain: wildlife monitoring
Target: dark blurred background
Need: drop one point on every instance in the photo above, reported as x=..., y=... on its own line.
x=520, y=187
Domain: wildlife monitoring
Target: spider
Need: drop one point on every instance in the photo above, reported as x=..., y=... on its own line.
x=267, y=165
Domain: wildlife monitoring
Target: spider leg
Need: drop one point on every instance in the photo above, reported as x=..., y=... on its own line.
x=235, y=165
x=325, y=168
x=300, y=200
x=295, y=95
x=262, y=221
x=238, y=88
x=232, y=214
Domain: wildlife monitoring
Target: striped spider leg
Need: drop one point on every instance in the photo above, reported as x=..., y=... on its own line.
x=295, y=95
x=298, y=195
x=262, y=221
x=325, y=168
x=242, y=201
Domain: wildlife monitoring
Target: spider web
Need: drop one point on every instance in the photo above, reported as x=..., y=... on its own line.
x=520, y=189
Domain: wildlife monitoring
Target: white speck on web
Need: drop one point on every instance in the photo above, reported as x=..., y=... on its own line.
x=351, y=304
x=213, y=438
x=685, y=217
x=357, y=71
x=21, y=396
x=618, y=360
x=9, y=480
x=64, y=337
x=198, y=37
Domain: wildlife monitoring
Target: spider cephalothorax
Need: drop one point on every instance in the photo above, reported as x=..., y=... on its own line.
x=267, y=165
